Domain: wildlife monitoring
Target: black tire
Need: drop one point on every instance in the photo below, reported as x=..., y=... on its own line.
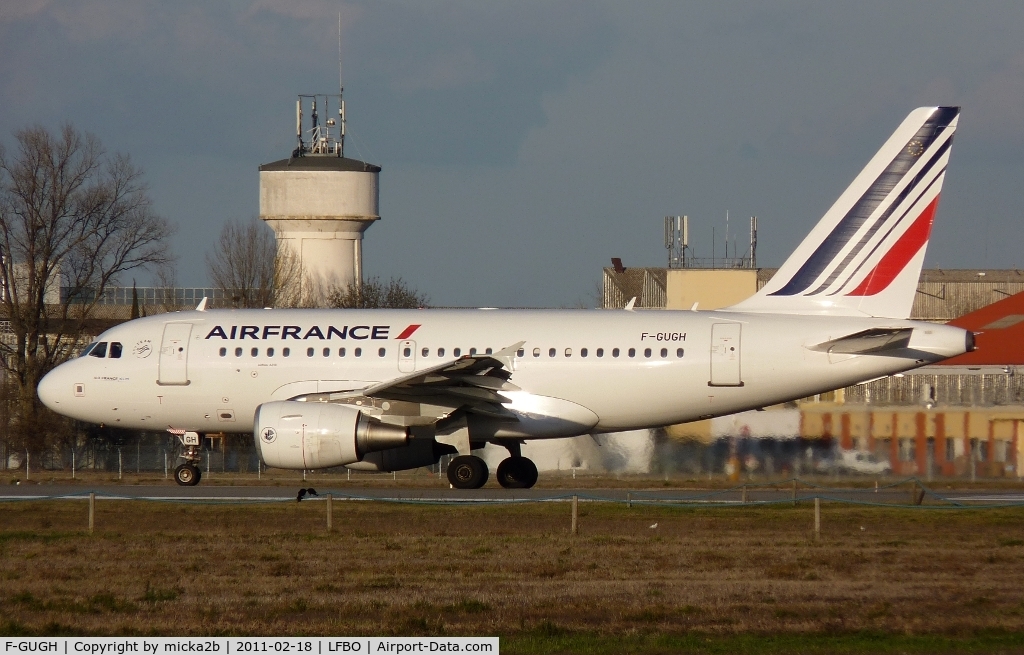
x=517, y=473
x=467, y=472
x=187, y=475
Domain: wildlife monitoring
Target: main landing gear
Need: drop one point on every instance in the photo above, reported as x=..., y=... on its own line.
x=517, y=472
x=470, y=472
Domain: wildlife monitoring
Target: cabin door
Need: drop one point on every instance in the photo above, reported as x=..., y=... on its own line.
x=174, y=354
x=725, y=355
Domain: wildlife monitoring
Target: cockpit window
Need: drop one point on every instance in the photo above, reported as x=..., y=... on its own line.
x=115, y=349
x=100, y=350
x=88, y=349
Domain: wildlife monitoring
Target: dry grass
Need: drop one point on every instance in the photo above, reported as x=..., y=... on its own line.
x=162, y=568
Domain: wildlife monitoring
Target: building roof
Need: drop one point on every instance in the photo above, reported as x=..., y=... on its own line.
x=320, y=163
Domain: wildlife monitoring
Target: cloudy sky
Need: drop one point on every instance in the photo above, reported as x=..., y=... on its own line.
x=524, y=143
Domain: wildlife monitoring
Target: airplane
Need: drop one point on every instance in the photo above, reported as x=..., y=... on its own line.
x=388, y=390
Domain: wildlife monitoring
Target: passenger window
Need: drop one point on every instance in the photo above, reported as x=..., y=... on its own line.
x=407, y=352
x=100, y=350
x=255, y=352
x=286, y=351
x=615, y=352
x=536, y=352
x=679, y=352
x=440, y=352
x=520, y=352
x=382, y=352
x=488, y=351
x=358, y=352
x=309, y=352
x=238, y=352
x=551, y=352
x=647, y=352
x=583, y=352
x=223, y=352
x=568, y=352
x=270, y=352
x=425, y=352
x=88, y=349
x=457, y=352
x=115, y=350
x=341, y=352
x=327, y=352
x=664, y=352
x=632, y=352
x=600, y=352
x=472, y=351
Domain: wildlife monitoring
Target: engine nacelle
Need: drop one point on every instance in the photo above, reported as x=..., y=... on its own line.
x=309, y=435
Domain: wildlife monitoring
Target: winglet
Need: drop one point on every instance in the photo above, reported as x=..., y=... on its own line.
x=201, y=307
x=629, y=305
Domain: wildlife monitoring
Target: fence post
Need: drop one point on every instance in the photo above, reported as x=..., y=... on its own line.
x=575, y=514
x=743, y=494
x=165, y=463
x=817, y=518
x=794, y=492
x=330, y=512
x=629, y=500
x=72, y=463
x=28, y=466
x=92, y=512
x=119, y=468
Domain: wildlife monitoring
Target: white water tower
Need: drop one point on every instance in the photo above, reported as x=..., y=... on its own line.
x=319, y=202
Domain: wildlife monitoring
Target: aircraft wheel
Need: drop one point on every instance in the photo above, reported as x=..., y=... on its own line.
x=467, y=472
x=187, y=475
x=517, y=473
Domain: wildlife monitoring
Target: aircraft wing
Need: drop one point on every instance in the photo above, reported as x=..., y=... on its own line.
x=472, y=382
x=867, y=342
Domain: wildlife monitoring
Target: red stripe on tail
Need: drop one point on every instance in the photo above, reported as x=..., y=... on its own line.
x=899, y=255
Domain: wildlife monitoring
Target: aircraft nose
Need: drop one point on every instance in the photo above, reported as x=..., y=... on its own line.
x=51, y=389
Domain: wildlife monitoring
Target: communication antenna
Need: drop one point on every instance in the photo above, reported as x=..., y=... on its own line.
x=753, y=242
x=677, y=238
x=341, y=97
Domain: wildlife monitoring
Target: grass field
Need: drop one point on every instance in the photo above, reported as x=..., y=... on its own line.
x=718, y=580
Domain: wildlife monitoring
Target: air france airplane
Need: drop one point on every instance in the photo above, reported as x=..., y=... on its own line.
x=387, y=390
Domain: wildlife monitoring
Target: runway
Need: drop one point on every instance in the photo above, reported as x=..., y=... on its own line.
x=901, y=495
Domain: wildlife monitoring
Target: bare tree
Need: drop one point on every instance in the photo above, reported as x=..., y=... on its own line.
x=247, y=264
x=374, y=294
x=72, y=220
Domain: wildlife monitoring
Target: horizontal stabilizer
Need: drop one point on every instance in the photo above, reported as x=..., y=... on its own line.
x=868, y=342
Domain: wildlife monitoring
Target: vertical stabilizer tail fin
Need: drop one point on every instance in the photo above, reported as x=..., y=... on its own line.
x=864, y=256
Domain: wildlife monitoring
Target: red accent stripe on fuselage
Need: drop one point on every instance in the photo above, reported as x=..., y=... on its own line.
x=407, y=332
x=899, y=255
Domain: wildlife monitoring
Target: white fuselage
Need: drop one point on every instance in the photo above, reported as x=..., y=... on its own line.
x=599, y=370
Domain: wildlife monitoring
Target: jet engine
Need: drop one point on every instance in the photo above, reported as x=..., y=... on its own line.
x=310, y=435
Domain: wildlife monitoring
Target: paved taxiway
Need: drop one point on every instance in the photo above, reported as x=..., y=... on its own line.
x=896, y=495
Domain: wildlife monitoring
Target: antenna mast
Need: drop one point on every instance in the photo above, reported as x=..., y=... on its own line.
x=341, y=96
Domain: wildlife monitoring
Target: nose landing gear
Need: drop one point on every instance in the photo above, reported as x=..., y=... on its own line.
x=188, y=474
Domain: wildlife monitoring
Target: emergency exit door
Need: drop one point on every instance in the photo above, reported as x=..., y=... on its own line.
x=174, y=354
x=725, y=355
x=407, y=357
